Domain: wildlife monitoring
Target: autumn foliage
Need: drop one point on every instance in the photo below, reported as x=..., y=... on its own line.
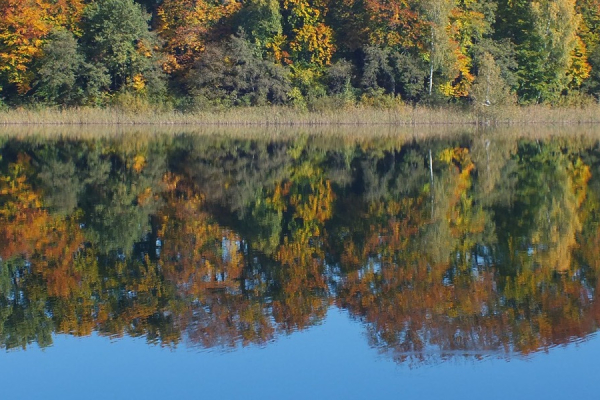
x=220, y=242
x=432, y=51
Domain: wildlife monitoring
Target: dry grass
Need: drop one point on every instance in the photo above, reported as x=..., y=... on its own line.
x=327, y=135
x=333, y=132
x=284, y=116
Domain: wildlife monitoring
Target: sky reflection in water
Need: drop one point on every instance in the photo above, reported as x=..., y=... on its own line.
x=331, y=360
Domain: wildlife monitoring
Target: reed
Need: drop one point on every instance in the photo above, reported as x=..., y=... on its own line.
x=402, y=115
x=328, y=135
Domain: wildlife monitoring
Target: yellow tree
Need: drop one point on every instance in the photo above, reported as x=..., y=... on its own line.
x=52, y=245
x=308, y=197
x=24, y=24
x=454, y=27
x=187, y=25
x=310, y=40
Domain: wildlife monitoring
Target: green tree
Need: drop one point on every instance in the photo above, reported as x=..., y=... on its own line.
x=552, y=58
x=489, y=88
x=546, y=53
x=237, y=73
x=397, y=72
x=440, y=54
x=589, y=31
x=116, y=35
x=261, y=22
x=63, y=75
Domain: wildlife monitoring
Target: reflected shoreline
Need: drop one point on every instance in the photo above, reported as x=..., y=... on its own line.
x=489, y=247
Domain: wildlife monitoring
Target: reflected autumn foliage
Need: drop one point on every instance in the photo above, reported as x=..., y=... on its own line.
x=494, y=250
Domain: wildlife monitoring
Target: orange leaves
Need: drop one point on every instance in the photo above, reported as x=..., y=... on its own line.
x=198, y=253
x=49, y=243
x=318, y=206
x=187, y=25
x=23, y=27
x=394, y=23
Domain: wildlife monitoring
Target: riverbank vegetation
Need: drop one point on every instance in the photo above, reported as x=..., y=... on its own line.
x=282, y=116
x=317, y=61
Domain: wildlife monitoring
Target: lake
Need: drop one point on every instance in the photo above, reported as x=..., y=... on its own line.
x=283, y=264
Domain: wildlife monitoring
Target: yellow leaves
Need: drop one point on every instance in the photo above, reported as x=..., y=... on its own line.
x=170, y=181
x=23, y=26
x=139, y=162
x=186, y=26
x=580, y=175
x=302, y=9
x=447, y=155
x=312, y=39
x=318, y=206
x=317, y=41
x=18, y=194
x=275, y=47
x=457, y=155
x=138, y=84
x=579, y=69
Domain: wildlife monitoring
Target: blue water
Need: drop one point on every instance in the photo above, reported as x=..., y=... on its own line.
x=329, y=361
x=191, y=267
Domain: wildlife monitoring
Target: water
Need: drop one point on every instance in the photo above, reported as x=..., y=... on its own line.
x=288, y=266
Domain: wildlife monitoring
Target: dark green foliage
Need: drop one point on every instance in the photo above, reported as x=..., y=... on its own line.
x=377, y=72
x=64, y=77
x=410, y=75
x=150, y=5
x=339, y=77
x=61, y=185
x=397, y=73
x=59, y=68
x=237, y=73
x=592, y=85
x=117, y=37
x=260, y=20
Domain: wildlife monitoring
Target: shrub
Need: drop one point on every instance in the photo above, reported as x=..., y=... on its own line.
x=64, y=76
x=234, y=73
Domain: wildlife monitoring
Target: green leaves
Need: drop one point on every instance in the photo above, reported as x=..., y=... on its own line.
x=64, y=76
x=117, y=37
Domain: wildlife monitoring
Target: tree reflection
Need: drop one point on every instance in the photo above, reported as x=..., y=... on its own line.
x=225, y=243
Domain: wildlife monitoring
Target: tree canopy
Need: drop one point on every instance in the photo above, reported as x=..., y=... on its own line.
x=417, y=50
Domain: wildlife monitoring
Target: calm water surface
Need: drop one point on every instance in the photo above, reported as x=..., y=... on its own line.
x=295, y=266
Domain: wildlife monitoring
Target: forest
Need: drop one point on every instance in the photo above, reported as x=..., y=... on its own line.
x=309, y=54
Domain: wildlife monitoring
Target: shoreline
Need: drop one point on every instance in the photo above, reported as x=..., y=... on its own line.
x=403, y=116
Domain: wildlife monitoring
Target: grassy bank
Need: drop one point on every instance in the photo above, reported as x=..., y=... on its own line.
x=262, y=116
x=333, y=136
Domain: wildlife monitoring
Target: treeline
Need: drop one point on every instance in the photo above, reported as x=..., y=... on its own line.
x=197, y=54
